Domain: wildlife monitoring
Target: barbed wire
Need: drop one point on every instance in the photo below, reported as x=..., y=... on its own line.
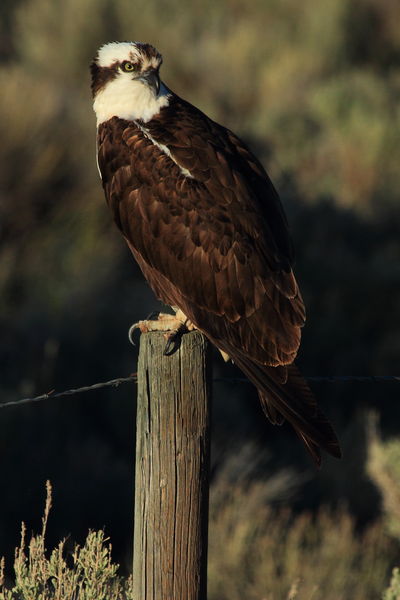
x=133, y=378
x=86, y=388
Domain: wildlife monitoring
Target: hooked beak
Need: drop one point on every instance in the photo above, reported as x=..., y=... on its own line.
x=152, y=79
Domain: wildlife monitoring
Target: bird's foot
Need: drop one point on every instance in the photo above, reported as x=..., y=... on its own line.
x=174, y=327
x=155, y=322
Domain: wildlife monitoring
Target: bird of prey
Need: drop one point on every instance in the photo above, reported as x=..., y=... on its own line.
x=207, y=228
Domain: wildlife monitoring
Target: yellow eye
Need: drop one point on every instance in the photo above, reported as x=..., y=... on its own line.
x=127, y=66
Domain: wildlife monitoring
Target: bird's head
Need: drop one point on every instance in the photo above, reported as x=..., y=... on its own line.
x=126, y=82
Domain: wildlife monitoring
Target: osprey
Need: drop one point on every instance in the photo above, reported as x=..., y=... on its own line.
x=206, y=226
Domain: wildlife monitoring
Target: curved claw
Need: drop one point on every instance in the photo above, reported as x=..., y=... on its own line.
x=153, y=316
x=174, y=340
x=130, y=333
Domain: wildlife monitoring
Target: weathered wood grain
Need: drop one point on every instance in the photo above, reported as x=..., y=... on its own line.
x=172, y=469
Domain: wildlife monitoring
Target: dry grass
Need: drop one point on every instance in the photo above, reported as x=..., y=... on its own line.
x=88, y=573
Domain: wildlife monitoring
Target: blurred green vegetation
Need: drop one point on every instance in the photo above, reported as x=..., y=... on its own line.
x=314, y=89
x=257, y=552
x=384, y=469
x=393, y=591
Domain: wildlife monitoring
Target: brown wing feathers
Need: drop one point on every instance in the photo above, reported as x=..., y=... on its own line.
x=216, y=245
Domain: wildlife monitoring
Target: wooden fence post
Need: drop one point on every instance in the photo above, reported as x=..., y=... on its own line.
x=172, y=469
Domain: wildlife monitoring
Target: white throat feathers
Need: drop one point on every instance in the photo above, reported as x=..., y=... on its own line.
x=129, y=99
